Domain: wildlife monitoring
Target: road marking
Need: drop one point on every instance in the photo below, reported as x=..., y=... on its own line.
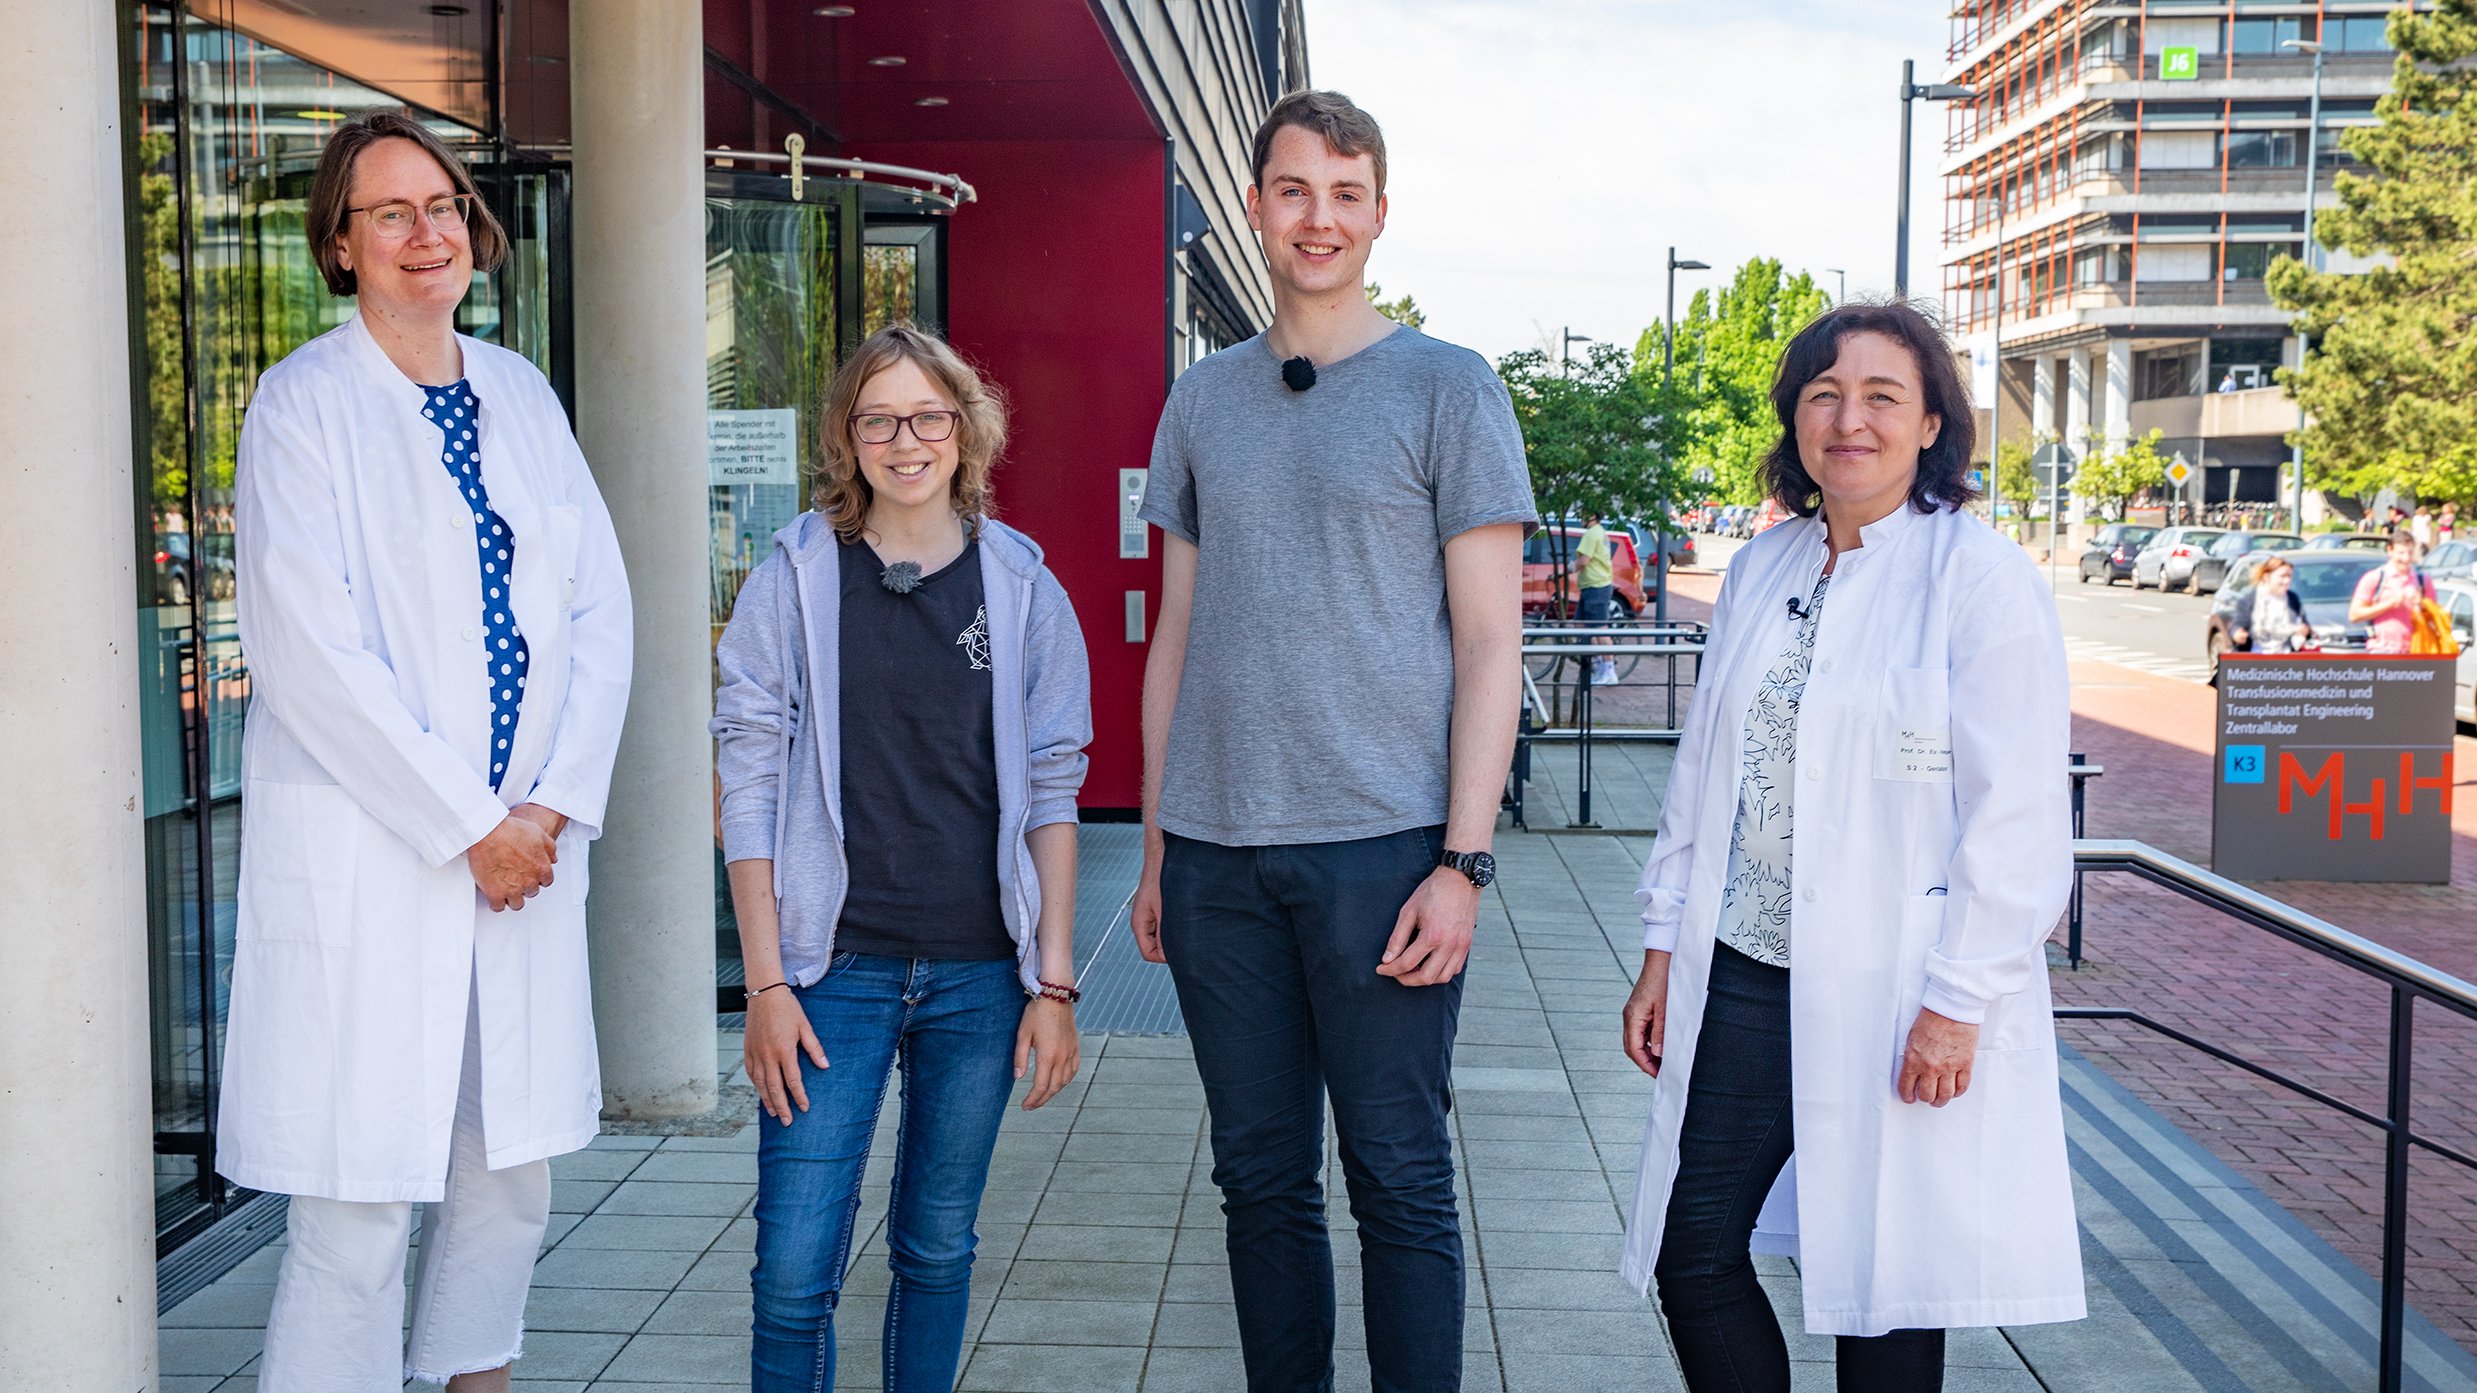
x=2146, y=609
x=2093, y=650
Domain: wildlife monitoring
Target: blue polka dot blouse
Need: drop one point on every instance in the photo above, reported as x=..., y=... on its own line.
x=457, y=413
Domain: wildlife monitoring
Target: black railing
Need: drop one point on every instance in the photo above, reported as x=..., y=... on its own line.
x=1581, y=645
x=2408, y=982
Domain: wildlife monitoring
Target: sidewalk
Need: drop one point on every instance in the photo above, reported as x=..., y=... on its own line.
x=1102, y=1264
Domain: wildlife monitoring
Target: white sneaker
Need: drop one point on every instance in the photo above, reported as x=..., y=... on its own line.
x=1604, y=672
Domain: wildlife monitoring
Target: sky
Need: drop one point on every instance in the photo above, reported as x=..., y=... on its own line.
x=1545, y=154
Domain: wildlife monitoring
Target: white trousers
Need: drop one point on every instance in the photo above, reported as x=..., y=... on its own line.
x=338, y=1322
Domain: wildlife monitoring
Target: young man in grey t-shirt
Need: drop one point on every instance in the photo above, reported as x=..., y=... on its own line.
x=1329, y=711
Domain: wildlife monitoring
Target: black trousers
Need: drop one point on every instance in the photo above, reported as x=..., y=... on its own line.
x=1737, y=1136
x=1274, y=952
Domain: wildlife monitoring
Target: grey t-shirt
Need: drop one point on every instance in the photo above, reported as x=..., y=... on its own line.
x=1319, y=682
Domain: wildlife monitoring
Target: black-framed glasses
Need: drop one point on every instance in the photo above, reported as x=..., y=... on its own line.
x=928, y=427
x=447, y=213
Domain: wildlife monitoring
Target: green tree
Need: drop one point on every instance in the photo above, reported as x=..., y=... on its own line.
x=2112, y=479
x=2016, y=482
x=1728, y=350
x=1595, y=438
x=1402, y=311
x=2390, y=386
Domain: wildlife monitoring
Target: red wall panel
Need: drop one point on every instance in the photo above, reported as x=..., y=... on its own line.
x=1056, y=288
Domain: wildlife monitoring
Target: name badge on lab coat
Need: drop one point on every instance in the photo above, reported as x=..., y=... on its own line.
x=1920, y=754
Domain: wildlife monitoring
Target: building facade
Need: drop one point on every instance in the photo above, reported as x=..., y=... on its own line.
x=2115, y=194
x=1055, y=184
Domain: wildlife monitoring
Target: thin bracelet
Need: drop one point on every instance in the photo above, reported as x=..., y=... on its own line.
x=747, y=995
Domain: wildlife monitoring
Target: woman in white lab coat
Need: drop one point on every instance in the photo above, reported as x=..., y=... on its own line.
x=1865, y=845
x=438, y=636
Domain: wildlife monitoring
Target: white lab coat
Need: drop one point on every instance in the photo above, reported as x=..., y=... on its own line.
x=365, y=778
x=1931, y=756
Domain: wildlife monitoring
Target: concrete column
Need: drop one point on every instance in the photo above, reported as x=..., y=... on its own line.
x=2042, y=396
x=77, y=1229
x=2077, y=401
x=2119, y=429
x=637, y=97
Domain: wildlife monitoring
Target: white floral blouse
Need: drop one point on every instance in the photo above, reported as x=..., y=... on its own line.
x=1754, y=904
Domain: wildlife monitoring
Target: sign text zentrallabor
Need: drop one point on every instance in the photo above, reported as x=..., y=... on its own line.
x=2333, y=768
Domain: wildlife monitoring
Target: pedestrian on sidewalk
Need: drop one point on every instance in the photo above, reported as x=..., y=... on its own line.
x=900, y=735
x=1595, y=574
x=439, y=672
x=2387, y=597
x=1885, y=693
x=1324, y=749
x=2271, y=617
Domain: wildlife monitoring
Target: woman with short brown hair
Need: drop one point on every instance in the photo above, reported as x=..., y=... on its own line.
x=439, y=639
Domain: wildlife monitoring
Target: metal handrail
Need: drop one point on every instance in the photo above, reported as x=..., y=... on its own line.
x=2242, y=901
x=1672, y=639
x=949, y=190
x=2408, y=979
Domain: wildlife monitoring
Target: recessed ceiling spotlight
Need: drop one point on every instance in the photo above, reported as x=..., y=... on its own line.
x=451, y=11
x=832, y=12
x=930, y=101
x=888, y=61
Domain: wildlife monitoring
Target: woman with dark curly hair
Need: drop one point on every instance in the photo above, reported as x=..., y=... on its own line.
x=901, y=725
x=1864, y=847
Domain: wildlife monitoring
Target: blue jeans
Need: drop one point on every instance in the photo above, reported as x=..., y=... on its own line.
x=950, y=1027
x=1274, y=952
x=1736, y=1137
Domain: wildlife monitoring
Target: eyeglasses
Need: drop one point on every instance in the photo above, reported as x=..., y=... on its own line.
x=928, y=427
x=447, y=213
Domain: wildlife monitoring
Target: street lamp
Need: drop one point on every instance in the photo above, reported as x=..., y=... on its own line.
x=1912, y=92
x=1843, y=297
x=2313, y=151
x=1668, y=371
x=1565, y=346
x=1668, y=318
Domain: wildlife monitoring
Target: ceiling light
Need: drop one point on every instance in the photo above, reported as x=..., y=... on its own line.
x=889, y=61
x=319, y=114
x=545, y=58
x=451, y=11
x=930, y=101
x=832, y=12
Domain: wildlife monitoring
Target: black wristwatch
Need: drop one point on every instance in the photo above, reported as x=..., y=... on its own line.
x=1478, y=865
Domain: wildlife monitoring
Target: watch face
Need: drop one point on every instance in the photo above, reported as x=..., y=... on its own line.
x=1483, y=869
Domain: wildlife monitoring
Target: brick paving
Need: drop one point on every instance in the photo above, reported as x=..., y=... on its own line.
x=2277, y=1004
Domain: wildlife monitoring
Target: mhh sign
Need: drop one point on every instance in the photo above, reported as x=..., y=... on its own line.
x=2333, y=767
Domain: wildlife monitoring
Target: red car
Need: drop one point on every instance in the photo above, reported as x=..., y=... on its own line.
x=1539, y=564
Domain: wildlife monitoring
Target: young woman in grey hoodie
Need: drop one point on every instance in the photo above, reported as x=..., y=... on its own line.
x=900, y=732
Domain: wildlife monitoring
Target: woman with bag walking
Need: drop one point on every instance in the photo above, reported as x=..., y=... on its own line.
x=901, y=726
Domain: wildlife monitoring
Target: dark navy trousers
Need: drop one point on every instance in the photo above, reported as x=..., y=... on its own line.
x=1274, y=950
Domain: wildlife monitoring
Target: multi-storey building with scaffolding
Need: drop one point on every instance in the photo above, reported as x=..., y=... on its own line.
x=2114, y=194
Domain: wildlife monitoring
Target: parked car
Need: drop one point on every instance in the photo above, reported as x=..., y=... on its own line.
x=2348, y=541
x=2166, y=561
x=2230, y=553
x=2459, y=599
x=1679, y=543
x=2324, y=580
x=1767, y=517
x=1541, y=554
x=2109, y=557
x=2454, y=560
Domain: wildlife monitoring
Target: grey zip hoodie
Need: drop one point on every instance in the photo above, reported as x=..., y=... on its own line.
x=778, y=730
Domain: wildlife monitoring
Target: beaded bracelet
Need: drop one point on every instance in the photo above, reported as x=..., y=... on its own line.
x=1051, y=991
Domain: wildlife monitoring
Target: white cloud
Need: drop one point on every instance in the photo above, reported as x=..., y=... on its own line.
x=1545, y=155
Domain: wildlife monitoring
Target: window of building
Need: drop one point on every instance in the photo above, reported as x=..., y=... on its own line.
x=2249, y=361
x=2180, y=150
x=2173, y=262
x=2360, y=34
x=2270, y=35
x=2098, y=266
x=2261, y=149
x=2247, y=261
